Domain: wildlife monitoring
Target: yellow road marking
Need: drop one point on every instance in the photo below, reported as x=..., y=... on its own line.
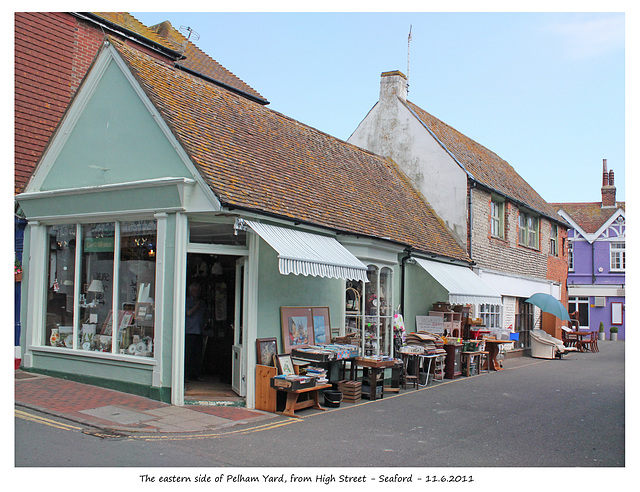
x=45, y=421
x=180, y=437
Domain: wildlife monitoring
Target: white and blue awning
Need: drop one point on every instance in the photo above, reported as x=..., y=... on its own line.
x=304, y=253
x=464, y=286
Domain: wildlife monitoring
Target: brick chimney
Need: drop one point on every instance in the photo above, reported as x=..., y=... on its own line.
x=393, y=85
x=608, y=189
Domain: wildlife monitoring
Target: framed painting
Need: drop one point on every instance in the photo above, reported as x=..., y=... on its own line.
x=321, y=325
x=267, y=349
x=297, y=327
x=285, y=364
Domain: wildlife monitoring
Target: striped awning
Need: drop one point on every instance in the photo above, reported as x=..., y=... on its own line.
x=464, y=286
x=304, y=253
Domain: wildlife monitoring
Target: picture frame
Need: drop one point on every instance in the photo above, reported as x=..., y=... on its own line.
x=267, y=349
x=297, y=328
x=321, y=325
x=285, y=364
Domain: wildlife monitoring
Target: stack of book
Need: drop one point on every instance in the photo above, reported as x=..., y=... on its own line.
x=318, y=373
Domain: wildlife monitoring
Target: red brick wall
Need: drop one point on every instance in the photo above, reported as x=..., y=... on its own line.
x=53, y=51
x=43, y=53
x=87, y=42
x=557, y=270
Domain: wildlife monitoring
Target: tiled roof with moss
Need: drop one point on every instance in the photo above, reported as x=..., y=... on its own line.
x=258, y=159
x=194, y=59
x=485, y=166
x=589, y=216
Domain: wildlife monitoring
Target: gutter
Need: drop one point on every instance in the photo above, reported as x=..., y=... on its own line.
x=403, y=264
x=231, y=207
x=221, y=84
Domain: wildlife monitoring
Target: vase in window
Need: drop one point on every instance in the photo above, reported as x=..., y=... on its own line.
x=55, y=336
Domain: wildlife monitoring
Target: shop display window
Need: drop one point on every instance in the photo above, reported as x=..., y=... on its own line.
x=86, y=263
x=136, y=287
x=369, y=314
x=60, y=286
x=96, y=295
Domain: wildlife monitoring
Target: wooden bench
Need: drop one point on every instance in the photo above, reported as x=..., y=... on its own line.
x=312, y=402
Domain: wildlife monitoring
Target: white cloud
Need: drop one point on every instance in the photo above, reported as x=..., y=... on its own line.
x=589, y=36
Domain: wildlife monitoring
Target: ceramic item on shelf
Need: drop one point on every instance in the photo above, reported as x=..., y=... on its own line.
x=69, y=341
x=141, y=347
x=55, y=336
x=86, y=345
x=132, y=349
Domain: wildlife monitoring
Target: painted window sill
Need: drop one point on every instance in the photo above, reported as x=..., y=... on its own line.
x=104, y=356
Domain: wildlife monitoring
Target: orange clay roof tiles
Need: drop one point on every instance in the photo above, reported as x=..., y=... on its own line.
x=589, y=216
x=258, y=159
x=485, y=166
x=195, y=59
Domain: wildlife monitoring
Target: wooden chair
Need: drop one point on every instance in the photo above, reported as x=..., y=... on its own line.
x=592, y=343
x=569, y=339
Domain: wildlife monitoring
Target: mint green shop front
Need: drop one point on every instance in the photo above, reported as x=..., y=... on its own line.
x=259, y=291
x=120, y=222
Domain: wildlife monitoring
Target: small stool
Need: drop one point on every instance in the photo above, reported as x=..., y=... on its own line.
x=482, y=360
x=438, y=368
x=467, y=364
x=406, y=377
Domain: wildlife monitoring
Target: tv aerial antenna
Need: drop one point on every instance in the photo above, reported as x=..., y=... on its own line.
x=408, y=52
x=188, y=33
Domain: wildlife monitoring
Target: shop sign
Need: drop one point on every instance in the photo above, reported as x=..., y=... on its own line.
x=98, y=244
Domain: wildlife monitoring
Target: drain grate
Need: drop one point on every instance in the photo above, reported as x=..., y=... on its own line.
x=104, y=434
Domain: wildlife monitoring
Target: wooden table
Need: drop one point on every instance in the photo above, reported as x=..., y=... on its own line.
x=375, y=367
x=579, y=336
x=466, y=360
x=292, y=399
x=493, y=347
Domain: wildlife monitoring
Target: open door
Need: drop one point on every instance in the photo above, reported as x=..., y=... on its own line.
x=238, y=378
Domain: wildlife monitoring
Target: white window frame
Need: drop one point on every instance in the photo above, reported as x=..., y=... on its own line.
x=617, y=256
x=40, y=342
x=570, y=259
x=491, y=315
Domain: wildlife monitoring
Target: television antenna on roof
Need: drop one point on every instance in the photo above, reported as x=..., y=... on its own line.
x=408, y=51
x=188, y=33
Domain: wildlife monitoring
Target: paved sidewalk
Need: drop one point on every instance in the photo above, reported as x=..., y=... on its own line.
x=111, y=410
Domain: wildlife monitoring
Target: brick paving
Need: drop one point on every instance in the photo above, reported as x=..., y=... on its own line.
x=111, y=409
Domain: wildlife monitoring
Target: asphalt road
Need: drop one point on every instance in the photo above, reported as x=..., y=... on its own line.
x=537, y=413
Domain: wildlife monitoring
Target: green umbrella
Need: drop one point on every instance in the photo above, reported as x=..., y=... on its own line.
x=549, y=304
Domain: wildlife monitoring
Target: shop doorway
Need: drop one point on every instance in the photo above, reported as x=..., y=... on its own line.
x=524, y=322
x=216, y=276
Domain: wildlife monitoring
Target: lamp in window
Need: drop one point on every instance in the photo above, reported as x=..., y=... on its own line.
x=97, y=288
x=216, y=269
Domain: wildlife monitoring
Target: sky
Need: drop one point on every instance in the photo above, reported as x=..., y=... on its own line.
x=544, y=90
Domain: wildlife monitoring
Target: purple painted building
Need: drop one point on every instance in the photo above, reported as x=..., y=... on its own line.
x=596, y=280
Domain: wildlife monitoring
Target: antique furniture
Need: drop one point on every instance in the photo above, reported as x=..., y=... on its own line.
x=452, y=368
x=544, y=346
x=312, y=402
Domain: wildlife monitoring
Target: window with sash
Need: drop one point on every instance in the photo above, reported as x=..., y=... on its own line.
x=617, y=250
x=553, y=240
x=528, y=227
x=497, y=218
